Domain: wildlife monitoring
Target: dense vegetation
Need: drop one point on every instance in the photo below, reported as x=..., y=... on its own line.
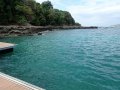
x=24, y=12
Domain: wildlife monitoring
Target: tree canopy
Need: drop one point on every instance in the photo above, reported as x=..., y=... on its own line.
x=29, y=11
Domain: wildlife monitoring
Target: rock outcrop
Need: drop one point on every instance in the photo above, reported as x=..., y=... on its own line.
x=31, y=30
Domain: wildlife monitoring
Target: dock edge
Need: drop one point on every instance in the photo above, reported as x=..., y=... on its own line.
x=20, y=82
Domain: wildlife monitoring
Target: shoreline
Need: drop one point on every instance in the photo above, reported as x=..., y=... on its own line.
x=15, y=30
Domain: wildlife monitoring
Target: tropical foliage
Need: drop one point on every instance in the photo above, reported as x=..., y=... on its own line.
x=30, y=12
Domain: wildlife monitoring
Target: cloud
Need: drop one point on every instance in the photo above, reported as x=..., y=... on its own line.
x=96, y=12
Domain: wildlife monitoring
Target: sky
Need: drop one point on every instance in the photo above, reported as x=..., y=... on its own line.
x=91, y=12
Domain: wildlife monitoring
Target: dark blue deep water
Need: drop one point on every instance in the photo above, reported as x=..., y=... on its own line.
x=66, y=59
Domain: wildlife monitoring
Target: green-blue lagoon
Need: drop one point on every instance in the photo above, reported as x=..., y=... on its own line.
x=83, y=59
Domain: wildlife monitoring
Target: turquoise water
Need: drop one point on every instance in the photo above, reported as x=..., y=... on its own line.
x=67, y=60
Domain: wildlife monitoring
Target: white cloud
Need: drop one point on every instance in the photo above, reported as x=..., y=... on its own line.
x=96, y=12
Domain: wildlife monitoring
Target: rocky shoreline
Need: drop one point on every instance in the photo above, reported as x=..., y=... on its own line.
x=6, y=31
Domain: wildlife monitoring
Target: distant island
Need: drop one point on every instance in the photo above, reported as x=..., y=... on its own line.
x=19, y=15
x=117, y=25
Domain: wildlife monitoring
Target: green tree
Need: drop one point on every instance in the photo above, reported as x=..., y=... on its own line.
x=25, y=11
x=47, y=5
x=68, y=18
x=39, y=18
x=29, y=11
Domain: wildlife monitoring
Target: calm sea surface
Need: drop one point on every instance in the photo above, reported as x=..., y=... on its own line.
x=67, y=60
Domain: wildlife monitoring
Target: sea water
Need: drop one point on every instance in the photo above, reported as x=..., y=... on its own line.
x=82, y=59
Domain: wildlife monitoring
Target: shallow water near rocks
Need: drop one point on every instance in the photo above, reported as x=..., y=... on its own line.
x=67, y=59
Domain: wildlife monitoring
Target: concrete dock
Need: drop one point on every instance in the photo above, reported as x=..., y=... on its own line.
x=6, y=47
x=10, y=83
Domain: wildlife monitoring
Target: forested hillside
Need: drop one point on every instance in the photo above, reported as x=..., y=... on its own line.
x=22, y=12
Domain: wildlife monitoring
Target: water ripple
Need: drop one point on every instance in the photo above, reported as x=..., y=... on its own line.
x=67, y=60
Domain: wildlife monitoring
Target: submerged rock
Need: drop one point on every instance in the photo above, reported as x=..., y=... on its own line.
x=39, y=33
